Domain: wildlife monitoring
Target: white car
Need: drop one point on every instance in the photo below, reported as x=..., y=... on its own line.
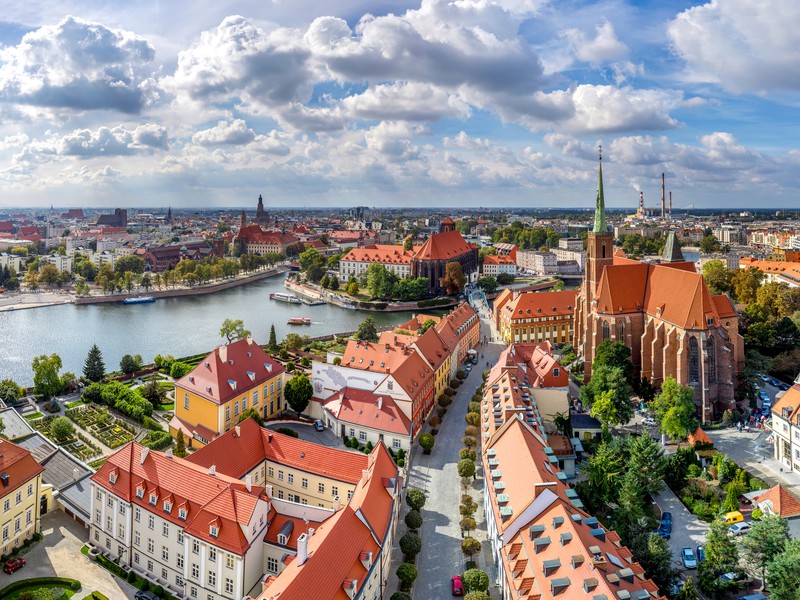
x=739, y=528
x=649, y=422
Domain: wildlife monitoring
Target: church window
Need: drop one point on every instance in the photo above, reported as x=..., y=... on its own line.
x=694, y=360
x=606, y=330
x=711, y=361
x=621, y=331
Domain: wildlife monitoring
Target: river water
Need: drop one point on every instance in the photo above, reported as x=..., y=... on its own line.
x=177, y=326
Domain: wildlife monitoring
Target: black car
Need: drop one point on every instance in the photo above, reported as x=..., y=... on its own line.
x=145, y=595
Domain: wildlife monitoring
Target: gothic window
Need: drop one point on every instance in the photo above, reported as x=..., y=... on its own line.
x=711, y=360
x=694, y=361
x=606, y=330
x=621, y=331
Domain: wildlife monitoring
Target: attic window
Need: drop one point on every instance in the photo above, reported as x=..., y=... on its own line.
x=153, y=499
x=213, y=531
x=551, y=566
x=577, y=560
x=208, y=366
x=167, y=507
x=559, y=585
x=251, y=375
x=191, y=378
x=566, y=538
x=282, y=539
x=182, y=514
x=589, y=584
x=112, y=478
x=232, y=383
x=140, y=493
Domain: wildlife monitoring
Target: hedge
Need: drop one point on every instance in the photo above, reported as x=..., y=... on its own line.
x=96, y=596
x=24, y=584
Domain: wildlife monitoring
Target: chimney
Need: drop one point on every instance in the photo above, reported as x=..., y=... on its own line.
x=302, y=549
x=268, y=490
x=311, y=531
x=212, y=470
x=238, y=431
x=248, y=483
x=336, y=504
x=641, y=202
x=223, y=353
x=169, y=453
x=670, y=203
x=663, y=198
x=145, y=452
x=76, y=474
x=380, y=402
x=269, y=437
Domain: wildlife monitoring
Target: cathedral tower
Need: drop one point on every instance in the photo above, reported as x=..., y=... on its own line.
x=600, y=248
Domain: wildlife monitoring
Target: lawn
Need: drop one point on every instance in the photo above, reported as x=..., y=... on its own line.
x=74, y=404
x=96, y=420
x=33, y=416
x=164, y=407
x=96, y=464
x=55, y=588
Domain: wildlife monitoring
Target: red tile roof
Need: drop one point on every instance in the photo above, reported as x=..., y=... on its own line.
x=780, y=501
x=236, y=453
x=380, y=253
x=230, y=371
x=444, y=246
x=18, y=464
x=367, y=409
x=530, y=305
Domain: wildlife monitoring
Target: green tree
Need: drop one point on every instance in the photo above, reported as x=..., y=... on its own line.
x=614, y=354
x=766, y=540
x=607, y=407
x=427, y=324
x=630, y=499
x=709, y=245
x=407, y=573
x=475, y=580
x=273, y=340
x=783, y=572
x=298, y=392
x=152, y=392
x=477, y=596
x=410, y=544
x=415, y=498
x=180, y=445
x=62, y=428
x=179, y=369
x=652, y=552
x=233, y=330
x=688, y=591
x=129, y=263
x=367, y=331
x=674, y=409
x=10, y=391
x=413, y=519
x=127, y=364
x=647, y=463
x=606, y=468
x=722, y=555
x=717, y=276
x=454, y=279
x=293, y=341
x=352, y=288
x=470, y=546
x=745, y=284
x=251, y=413
x=46, y=381
x=426, y=442
x=466, y=468
x=401, y=596
x=487, y=284
x=379, y=280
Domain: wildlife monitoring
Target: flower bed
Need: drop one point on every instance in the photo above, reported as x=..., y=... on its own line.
x=81, y=447
x=111, y=431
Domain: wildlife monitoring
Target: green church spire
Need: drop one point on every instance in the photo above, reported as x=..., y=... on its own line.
x=600, y=205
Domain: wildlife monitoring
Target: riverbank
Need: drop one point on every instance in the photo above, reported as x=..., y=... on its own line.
x=193, y=291
x=26, y=300
x=314, y=293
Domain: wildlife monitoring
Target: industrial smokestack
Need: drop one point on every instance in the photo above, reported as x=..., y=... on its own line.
x=670, y=203
x=641, y=202
x=663, y=198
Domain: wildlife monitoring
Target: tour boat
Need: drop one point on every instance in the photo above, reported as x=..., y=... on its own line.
x=139, y=300
x=299, y=321
x=285, y=298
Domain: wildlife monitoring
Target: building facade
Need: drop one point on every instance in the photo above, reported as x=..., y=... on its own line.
x=538, y=317
x=21, y=478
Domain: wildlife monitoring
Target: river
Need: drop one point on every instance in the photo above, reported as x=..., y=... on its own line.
x=177, y=326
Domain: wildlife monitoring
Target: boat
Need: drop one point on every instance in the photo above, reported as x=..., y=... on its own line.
x=285, y=298
x=139, y=300
x=299, y=321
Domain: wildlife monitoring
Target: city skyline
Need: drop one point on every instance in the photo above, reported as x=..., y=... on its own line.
x=464, y=105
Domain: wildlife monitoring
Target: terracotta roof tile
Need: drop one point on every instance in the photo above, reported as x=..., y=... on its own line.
x=780, y=501
x=444, y=246
x=18, y=465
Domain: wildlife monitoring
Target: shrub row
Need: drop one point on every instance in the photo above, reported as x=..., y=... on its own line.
x=24, y=584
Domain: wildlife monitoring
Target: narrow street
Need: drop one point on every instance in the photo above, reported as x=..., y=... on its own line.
x=436, y=475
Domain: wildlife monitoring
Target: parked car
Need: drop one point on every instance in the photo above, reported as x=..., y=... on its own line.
x=319, y=425
x=763, y=378
x=12, y=564
x=783, y=387
x=735, y=578
x=649, y=422
x=145, y=595
x=774, y=382
x=688, y=558
x=456, y=585
x=729, y=518
x=739, y=528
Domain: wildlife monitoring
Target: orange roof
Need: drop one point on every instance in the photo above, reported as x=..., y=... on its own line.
x=365, y=408
x=229, y=371
x=529, y=305
x=380, y=253
x=533, y=365
x=432, y=348
x=18, y=465
x=444, y=246
x=699, y=437
x=185, y=485
x=244, y=447
x=780, y=501
x=788, y=403
x=418, y=321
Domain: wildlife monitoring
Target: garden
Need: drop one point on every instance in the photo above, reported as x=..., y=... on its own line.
x=62, y=432
x=96, y=420
x=41, y=588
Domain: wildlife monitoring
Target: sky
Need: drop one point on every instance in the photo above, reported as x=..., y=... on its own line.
x=461, y=103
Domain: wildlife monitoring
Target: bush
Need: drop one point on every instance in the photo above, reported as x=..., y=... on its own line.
x=471, y=430
x=145, y=585
x=131, y=577
x=179, y=369
x=415, y=498
x=151, y=424
x=290, y=367
x=62, y=428
x=289, y=432
x=34, y=582
x=426, y=441
x=401, y=462
x=467, y=453
x=401, y=596
x=158, y=591
x=157, y=440
x=460, y=374
x=470, y=546
x=473, y=419
x=757, y=514
x=469, y=441
x=456, y=383
x=407, y=573
x=410, y=544
x=413, y=519
x=475, y=580
x=474, y=407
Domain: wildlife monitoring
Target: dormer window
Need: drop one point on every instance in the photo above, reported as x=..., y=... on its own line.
x=282, y=539
x=251, y=375
x=167, y=507
x=153, y=499
x=232, y=383
x=182, y=514
x=213, y=531
x=140, y=493
x=191, y=378
x=112, y=478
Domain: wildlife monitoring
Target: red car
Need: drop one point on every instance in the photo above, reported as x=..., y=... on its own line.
x=13, y=564
x=457, y=586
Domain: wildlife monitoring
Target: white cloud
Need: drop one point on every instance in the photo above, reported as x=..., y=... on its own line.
x=405, y=101
x=603, y=48
x=744, y=46
x=234, y=133
x=79, y=65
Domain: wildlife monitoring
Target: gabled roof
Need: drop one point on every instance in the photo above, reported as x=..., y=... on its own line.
x=444, y=246
x=380, y=253
x=17, y=467
x=230, y=370
x=780, y=501
x=531, y=305
x=789, y=401
x=367, y=409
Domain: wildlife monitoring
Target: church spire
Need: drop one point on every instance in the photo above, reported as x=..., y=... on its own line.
x=600, y=205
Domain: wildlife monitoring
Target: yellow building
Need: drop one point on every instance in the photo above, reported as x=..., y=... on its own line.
x=230, y=380
x=538, y=317
x=20, y=485
x=292, y=469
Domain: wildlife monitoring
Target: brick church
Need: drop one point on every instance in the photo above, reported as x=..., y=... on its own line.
x=664, y=313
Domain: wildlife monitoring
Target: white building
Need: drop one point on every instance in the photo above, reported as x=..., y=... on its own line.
x=538, y=263
x=62, y=263
x=11, y=261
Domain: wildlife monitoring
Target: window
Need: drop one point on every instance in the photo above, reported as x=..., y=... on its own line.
x=5, y=533
x=19, y=497
x=140, y=493
x=606, y=330
x=110, y=502
x=167, y=507
x=280, y=494
x=137, y=539
x=164, y=553
x=164, y=574
x=290, y=478
x=137, y=514
x=304, y=483
x=120, y=529
x=335, y=491
x=227, y=413
x=280, y=475
x=244, y=404
x=389, y=385
x=212, y=554
x=362, y=435
x=556, y=371
x=212, y=578
x=236, y=408
x=395, y=443
x=97, y=496
x=255, y=397
x=321, y=488
x=711, y=360
x=213, y=531
x=272, y=565
x=228, y=585
x=150, y=566
x=352, y=432
x=136, y=558
x=621, y=330
x=122, y=508
x=178, y=580
x=150, y=546
x=182, y=513
x=96, y=534
x=179, y=560
x=186, y=401
x=229, y=561
x=193, y=592
x=98, y=516
x=694, y=360
x=272, y=387
x=109, y=523
x=180, y=536
x=304, y=502
x=165, y=530
x=195, y=547
x=279, y=384
x=195, y=571
x=271, y=472
x=151, y=522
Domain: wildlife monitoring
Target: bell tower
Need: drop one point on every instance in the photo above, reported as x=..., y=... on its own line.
x=600, y=248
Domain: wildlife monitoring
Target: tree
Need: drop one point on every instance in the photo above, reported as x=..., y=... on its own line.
x=487, y=284
x=379, y=280
x=745, y=284
x=401, y=596
x=709, y=245
x=647, y=462
x=127, y=364
x=179, y=369
x=477, y=596
x=466, y=468
x=426, y=441
x=273, y=340
x=10, y=391
x=688, y=591
x=293, y=341
x=470, y=546
x=407, y=573
x=352, y=288
x=653, y=553
x=454, y=279
x=367, y=331
x=153, y=393
x=415, y=498
x=251, y=413
x=783, y=572
x=475, y=580
x=766, y=540
x=62, y=428
x=413, y=519
x=674, y=409
x=46, y=381
x=180, y=445
x=717, y=276
x=722, y=555
x=233, y=330
x=410, y=544
x=129, y=263
x=467, y=524
x=298, y=392
x=614, y=354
